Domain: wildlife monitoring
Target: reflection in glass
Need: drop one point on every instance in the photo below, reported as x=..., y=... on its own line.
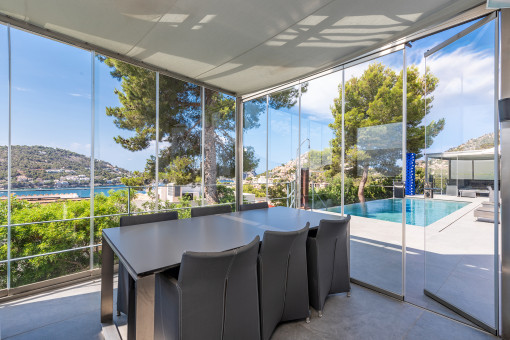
x=459, y=249
x=255, y=150
x=283, y=152
x=124, y=132
x=180, y=154
x=219, y=148
x=317, y=142
x=373, y=166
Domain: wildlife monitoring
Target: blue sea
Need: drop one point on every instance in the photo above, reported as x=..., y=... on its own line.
x=82, y=192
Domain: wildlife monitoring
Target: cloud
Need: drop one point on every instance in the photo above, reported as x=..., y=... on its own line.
x=80, y=95
x=22, y=89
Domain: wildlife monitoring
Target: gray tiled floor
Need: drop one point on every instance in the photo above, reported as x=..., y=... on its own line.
x=73, y=313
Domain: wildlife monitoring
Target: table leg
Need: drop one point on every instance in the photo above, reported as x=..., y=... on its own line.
x=144, y=305
x=107, y=284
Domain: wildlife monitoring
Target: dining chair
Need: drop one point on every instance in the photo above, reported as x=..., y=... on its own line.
x=253, y=206
x=214, y=296
x=125, y=281
x=211, y=210
x=283, y=282
x=328, y=261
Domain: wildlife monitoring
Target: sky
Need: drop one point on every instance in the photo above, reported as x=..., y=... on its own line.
x=52, y=98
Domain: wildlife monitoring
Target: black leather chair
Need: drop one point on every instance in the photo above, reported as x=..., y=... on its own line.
x=253, y=206
x=125, y=281
x=328, y=261
x=211, y=210
x=283, y=283
x=214, y=297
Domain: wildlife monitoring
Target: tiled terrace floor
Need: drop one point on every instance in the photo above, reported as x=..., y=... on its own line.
x=73, y=313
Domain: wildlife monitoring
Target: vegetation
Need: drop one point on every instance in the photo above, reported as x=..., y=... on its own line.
x=180, y=125
x=40, y=238
x=373, y=103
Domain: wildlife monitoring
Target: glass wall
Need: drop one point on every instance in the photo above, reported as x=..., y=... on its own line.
x=319, y=105
x=219, y=148
x=50, y=157
x=373, y=166
x=255, y=150
x=180, y=154
x=459, y=249
x=283, y=153
x=66, y=103
x=4, y=135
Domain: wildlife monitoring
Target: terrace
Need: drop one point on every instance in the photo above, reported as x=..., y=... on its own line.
x=326, y=109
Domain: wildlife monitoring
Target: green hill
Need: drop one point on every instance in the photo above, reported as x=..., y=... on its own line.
x=42, y=167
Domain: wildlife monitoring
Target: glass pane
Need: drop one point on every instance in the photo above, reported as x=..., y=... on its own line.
x=4, y=133
x=124, y=147
x=180, y=125
x=255, y=150
x=459, y=232
x=219, y=148
x=50, y=125
x=321, y=164
x=283, y=152
x=373, y=168
x=48, y=237
x=47, y=267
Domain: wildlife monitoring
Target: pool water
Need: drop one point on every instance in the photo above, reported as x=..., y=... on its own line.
x=419, y=212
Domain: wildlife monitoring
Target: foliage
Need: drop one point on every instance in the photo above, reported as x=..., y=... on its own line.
x=180, y=124
x=259, y=192
x=373, y=112
x=38, y=238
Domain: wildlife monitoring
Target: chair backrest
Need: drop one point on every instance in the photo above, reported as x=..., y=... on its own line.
x=283, y=284
x=253, y=206
x=219, y=294
x=333, y=244
x=148, y=218
x=210, y=210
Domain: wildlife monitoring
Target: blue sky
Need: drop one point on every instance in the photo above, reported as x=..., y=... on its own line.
x=51, y=98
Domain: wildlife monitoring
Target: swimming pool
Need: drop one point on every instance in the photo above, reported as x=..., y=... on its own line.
x=419, y=212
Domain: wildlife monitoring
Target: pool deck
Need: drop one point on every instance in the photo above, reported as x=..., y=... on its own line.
x=457, y=265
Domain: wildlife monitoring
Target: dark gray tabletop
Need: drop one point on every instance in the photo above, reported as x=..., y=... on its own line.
x=153, y=247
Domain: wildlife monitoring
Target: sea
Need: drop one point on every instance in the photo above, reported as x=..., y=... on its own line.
x=81, y=192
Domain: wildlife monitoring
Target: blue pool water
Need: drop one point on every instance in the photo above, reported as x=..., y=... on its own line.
x=419, y=212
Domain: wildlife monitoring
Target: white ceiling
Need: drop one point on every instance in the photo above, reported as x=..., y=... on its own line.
x=241, y=46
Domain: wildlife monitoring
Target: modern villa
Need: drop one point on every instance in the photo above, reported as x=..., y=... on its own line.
x=255, y=170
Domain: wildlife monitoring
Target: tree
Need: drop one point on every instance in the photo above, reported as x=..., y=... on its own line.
x=373, y=117
x=180, y=124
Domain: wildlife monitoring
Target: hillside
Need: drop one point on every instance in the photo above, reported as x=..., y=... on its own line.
x=480, y=143
x=45, y=167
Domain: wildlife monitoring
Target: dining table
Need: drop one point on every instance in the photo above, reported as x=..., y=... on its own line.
x=151, y=248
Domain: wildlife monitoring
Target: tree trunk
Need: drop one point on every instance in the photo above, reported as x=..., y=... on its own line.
x=210, y=169
x=361, y=189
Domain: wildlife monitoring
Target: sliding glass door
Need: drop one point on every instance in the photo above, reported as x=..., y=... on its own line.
x=460, y=211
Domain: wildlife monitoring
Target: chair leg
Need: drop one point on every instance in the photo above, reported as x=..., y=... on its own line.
x=320, y=314
x=349, y=294
x=308, y=317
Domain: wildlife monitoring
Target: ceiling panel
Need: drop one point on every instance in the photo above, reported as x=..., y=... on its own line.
x=241, y=46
